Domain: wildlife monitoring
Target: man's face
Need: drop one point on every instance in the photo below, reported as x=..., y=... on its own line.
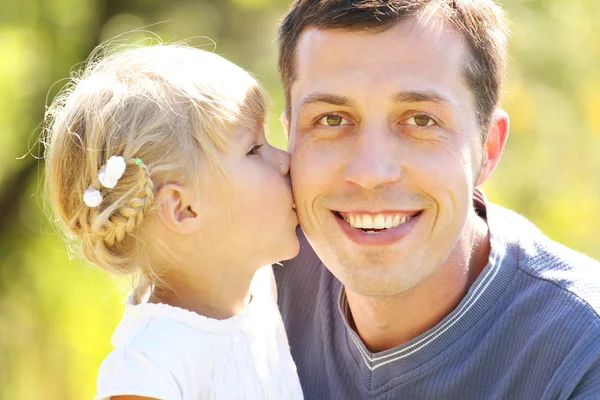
x=385, y=152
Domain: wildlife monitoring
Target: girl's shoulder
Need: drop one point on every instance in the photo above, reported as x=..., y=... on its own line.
x=159, y=351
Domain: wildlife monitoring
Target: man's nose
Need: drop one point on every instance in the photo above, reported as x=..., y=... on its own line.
x=373, y=163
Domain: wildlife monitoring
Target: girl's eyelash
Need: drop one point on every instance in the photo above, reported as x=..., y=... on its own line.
x=254, y=150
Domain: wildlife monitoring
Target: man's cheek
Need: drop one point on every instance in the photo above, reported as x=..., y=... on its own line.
x=304, y=169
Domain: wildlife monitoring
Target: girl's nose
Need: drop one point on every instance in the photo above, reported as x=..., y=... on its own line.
x=284, y=161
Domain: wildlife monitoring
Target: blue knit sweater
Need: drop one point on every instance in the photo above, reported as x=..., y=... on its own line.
x=529, y=328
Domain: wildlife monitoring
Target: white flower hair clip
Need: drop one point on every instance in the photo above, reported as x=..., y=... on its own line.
x=92, y=197
x=108, y=176
x=110, y=173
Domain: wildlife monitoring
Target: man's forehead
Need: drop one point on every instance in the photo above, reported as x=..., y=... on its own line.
x=425, y=27
x=412, y=50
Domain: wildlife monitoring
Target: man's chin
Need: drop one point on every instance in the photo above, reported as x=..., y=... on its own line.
x=378, y=287
x=372, y=278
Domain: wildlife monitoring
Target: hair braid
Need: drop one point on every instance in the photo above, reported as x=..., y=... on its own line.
x=130, y=215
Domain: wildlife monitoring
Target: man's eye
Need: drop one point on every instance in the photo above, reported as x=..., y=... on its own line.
x=254, y=150
x=420, y=120
x=332, y=120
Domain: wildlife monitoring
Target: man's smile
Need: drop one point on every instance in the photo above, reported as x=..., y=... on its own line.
x=377, y=228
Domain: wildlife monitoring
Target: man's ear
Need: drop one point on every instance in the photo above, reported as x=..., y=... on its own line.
x=178, y=208
x=286, y=125
x=494, y=145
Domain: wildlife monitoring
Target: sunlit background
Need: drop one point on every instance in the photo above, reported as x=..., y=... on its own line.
x=57, y=315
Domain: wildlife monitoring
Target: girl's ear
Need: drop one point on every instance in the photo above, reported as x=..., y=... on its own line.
x=178, y=208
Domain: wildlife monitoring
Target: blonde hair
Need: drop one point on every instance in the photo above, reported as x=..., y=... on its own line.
x=167, y=105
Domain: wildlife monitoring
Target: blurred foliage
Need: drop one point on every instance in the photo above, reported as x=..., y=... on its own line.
x=57, y=315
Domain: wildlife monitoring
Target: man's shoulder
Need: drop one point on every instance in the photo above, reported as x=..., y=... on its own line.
x=576, y=275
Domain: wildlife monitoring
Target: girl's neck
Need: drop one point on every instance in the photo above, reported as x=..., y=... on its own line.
x=212, y=295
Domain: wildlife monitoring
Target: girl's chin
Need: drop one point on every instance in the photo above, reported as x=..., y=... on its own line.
x=289, y=250
x=294, y=249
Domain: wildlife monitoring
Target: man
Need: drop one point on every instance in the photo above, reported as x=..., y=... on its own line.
x=409, y=284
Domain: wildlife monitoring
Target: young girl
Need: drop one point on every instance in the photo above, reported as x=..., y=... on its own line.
x=157, y=165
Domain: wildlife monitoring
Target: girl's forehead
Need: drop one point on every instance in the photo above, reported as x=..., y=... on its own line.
x=253, y=131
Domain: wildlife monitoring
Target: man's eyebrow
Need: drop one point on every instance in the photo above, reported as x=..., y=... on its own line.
x=421, y=97
x=399, y=97
x=325, y=98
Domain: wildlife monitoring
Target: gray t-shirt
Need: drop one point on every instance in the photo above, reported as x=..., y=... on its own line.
x=527, y=329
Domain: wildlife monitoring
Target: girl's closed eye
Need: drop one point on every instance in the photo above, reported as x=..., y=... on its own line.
x=255, y=150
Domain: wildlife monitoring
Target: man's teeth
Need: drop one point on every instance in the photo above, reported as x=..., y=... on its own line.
x=379, y=221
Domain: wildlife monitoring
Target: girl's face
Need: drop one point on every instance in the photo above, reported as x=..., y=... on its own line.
x=248, y=219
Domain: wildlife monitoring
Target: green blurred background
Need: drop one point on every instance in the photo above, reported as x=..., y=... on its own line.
x=57, y=315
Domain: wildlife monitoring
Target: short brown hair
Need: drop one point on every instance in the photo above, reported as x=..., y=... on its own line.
x=481, y=23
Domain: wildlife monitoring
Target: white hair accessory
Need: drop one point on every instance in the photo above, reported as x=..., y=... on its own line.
x=92, y=197
x=108, y=176
x=110, y=173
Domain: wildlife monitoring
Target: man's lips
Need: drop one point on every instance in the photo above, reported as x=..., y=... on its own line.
x=377, y=228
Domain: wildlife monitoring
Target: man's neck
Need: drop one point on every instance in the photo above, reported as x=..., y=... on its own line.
x=384, y=323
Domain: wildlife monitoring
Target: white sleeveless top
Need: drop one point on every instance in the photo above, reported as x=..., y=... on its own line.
x=170, y=353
